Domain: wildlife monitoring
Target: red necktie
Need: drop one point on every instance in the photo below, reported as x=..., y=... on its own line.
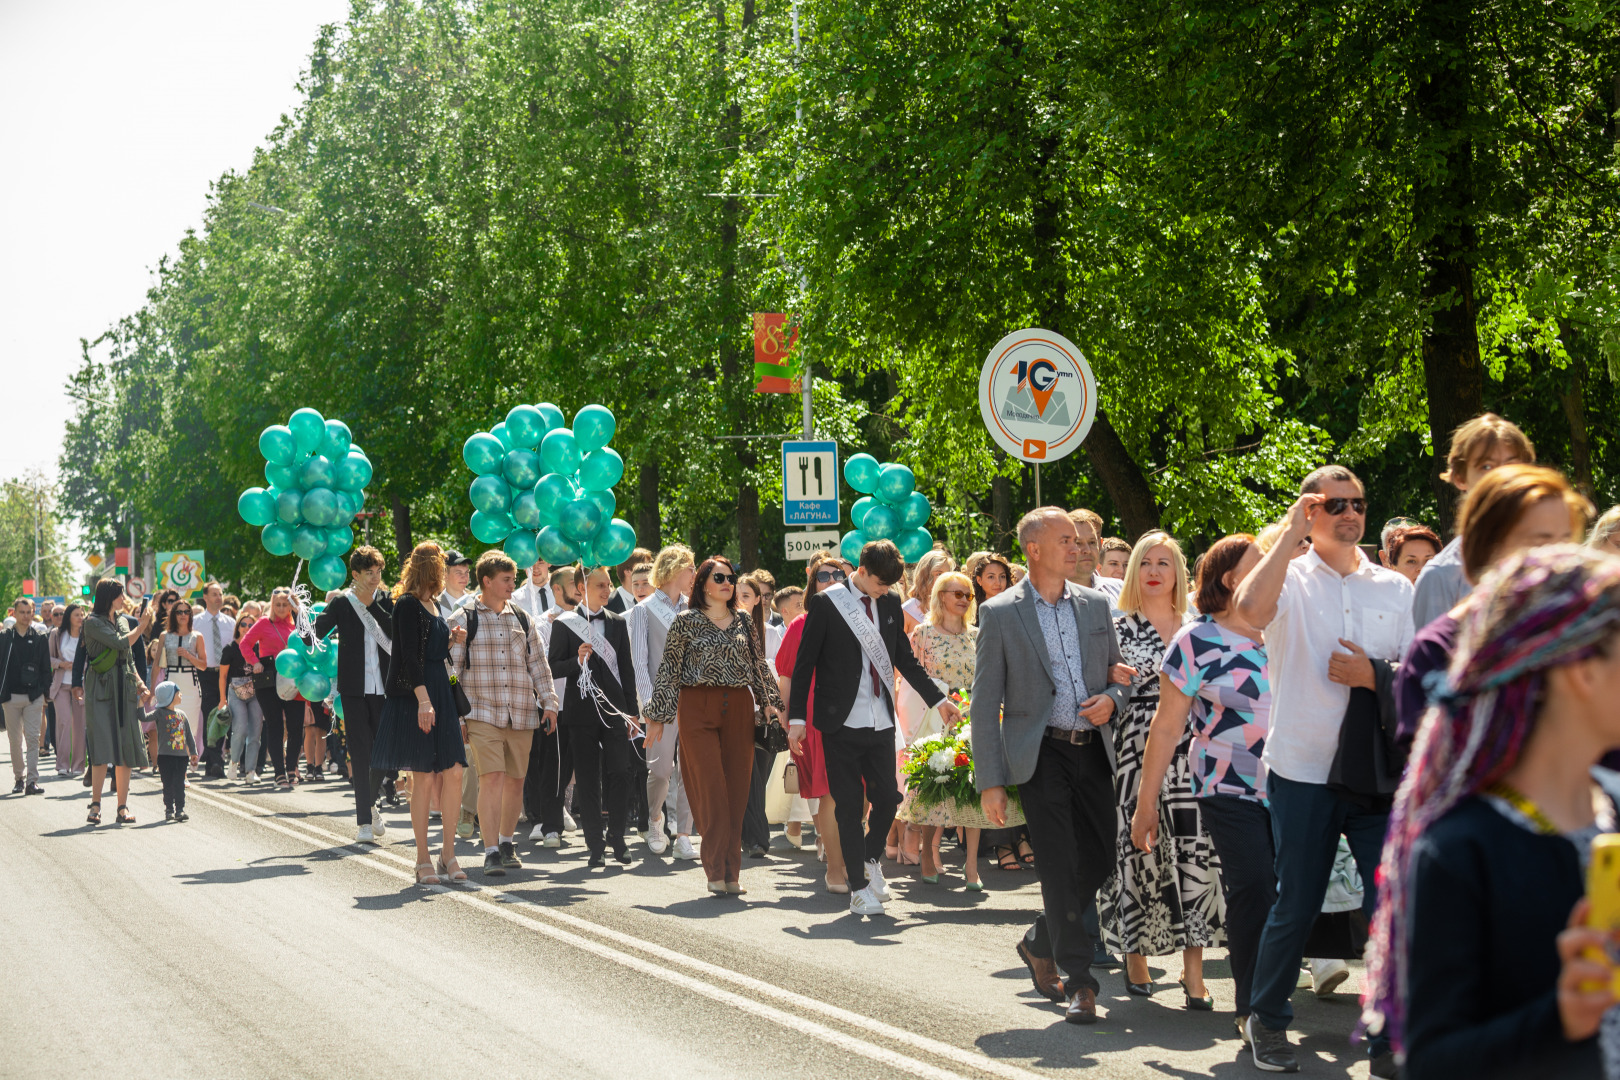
x=876, y=684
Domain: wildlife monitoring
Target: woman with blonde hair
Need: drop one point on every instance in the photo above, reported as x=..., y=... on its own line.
x=421, y=730
x=1169, y=897
x=1605, y=535
x=920, y=597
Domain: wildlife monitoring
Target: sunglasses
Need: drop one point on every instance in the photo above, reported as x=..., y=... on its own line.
x=825, y=576
x=724, y=579
x=1335, y=507
x=960, y=594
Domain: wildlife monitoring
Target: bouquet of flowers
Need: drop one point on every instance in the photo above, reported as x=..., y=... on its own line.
x=938, y=772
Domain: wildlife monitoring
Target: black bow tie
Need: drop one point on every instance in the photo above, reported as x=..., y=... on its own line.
x=598, y=615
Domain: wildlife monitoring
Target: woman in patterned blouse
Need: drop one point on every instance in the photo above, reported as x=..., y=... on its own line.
x=712, y=674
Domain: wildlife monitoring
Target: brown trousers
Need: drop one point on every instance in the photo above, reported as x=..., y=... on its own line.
x=717, y=766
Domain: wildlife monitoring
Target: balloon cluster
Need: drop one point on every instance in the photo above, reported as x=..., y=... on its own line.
x=545, y=491
x=317, y=478
x=311, y=668
x=891, y=509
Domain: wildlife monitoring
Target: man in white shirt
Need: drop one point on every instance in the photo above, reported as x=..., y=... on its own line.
x=535, y=596
x=1088, y=536
x=218, y=630
x=650, y=620
x=457, y=576
x=1333, y=619
x=551, y=758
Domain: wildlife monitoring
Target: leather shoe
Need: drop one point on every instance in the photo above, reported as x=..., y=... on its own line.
x=1043, y=972
x=1082, y=1007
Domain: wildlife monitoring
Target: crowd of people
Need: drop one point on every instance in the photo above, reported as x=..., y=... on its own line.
x=1299, y=747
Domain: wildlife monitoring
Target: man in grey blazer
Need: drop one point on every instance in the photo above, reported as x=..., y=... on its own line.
x=1041, y=706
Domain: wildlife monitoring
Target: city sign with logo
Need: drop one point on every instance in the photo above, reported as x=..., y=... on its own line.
x=1037, y=395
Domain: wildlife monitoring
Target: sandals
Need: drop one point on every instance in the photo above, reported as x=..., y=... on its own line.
x=125, y=817
x=1026, y=853
x=451, y=870
x=429, y=878
x=94, y=817
x=1006, y=857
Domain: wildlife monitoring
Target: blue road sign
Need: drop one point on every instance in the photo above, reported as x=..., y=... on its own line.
x=810, y=483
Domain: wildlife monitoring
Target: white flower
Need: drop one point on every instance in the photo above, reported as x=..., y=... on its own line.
x=941, y=762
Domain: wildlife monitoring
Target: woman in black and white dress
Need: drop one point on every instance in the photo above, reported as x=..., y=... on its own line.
x=1169, y=898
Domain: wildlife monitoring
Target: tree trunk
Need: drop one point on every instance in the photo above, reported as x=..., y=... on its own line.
x=1580, y=441
x=649, y=525
x=402, y=531
x=1444, y=211
x=1133, y=500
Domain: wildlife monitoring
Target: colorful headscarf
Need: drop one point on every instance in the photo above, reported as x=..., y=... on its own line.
x=1540, y=609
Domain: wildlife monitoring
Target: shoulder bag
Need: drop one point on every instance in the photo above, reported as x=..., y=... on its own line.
x=768, y=734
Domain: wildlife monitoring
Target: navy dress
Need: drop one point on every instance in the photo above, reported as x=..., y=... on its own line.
x=401, y=743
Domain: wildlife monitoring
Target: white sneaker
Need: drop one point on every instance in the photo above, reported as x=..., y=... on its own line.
x=537, y=834
x=1328, y=975
x=551, y=840
x=874, y=880
x=684, y=848
x=865, y=902
x=568, y=822
x=657, y=842
x=378, y=829
x=365, y=835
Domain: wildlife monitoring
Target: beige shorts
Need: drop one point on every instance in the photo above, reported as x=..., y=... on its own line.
x=500, y=749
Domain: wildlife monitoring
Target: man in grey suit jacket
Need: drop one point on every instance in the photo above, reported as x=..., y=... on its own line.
x=1041, y=706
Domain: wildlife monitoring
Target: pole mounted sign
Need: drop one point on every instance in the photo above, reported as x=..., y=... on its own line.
x=810, y=483
x=1037, y=395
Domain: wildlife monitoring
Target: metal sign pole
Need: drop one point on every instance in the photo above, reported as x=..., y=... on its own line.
x=1038, y=485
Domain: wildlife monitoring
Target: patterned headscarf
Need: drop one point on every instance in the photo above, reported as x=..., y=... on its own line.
x=1539, y=609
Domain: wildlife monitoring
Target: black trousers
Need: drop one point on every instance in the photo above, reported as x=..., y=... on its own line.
x=1241, y=832
x=1069, y=804
x=172, y=771
x=361, y=715
x=282, y=718
x=213, y=755
x=556, y=766
x=638, y=784
x=756, y=826
x=601, y=768
x=860, y=765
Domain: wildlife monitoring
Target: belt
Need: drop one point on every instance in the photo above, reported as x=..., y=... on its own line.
x=1077, y=736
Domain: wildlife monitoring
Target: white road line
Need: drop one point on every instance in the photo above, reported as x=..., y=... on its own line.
x=536, y=917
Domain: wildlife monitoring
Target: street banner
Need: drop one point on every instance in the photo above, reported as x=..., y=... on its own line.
x=1037, y=395
x=775, y=339
x=121, y=561
x=183, y=571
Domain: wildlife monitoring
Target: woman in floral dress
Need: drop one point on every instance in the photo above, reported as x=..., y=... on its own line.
x=1169, y=898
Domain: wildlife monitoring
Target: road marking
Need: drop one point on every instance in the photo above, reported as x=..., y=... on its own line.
x=536, y=917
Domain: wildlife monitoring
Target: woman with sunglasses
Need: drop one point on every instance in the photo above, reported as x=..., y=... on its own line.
x=712, y=674
x=260, y=645
x=824, y=569
x=247, y=718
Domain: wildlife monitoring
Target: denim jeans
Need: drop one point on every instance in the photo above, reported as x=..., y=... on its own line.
x=247, y=722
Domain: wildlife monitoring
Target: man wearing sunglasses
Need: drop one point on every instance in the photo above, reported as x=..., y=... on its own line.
x=1336, y=624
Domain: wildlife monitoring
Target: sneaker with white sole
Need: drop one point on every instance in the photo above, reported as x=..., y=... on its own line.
x=551, y=840
x=657, y=842
x=568, y=822
x=537, y=834
x=875, y=882
x=1270, y=1048
x=865, y=902
x=365, y=835
x=1328, y=975
x=684, y=848
x=378, y=829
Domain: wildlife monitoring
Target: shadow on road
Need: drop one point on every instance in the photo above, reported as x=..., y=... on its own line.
x=239, y=875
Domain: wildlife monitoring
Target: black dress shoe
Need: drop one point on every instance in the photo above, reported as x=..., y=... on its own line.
x=181, y=815
x=622, y=854
x=492, y=864
x=1138, y=989
x=509, y=857
x=597, y=859
x=34, y=789
x=17, y=788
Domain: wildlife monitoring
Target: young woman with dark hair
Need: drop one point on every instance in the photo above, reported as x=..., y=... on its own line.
x=113, y=696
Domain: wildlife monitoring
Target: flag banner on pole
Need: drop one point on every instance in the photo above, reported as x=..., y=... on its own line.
x=121, y=561
x=28, y=587
x=775, y=340
x=183, y=571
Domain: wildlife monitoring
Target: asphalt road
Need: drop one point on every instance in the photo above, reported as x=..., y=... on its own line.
x=256, y=940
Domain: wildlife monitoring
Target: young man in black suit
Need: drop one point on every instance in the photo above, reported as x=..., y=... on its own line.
x=362, y=667
x=597, y=640
x=853, y=643
x=623, y=599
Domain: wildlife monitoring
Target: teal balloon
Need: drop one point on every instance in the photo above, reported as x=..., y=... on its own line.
x=327, y=573
x=326, y=659
x=593, y=428
x=601, y=469
x=317, y=608
x=521, y=468
x=490, y=528
x=353, y=473
x=308, y=428
x=483, y=453
x=313, y=686
x=857, y=512
x=849, y=548
x=338, y=542
x=277, y=445
x=914, y=544
x=299, y=645
x=895, y=483
x=280, y=476
x=579, y=520
x=348, y=505
x=256, y=507
x=560, y=452
x=337, y=440
x=915, y=511
x=490, y=494
x=309, y=542
x=525, y=426
x=277, y=538
x=526, y=513
x=555, y=548
x=337, y=706
x=315, y=472
x=551, y=494
x=861, y=471
x=289, y=506
x=290, y=664
x=881, y=523
x=505, y=437
x=522, y=547
x=552, y=416
x=615, y=543
x=604, y=501
x=320, y=508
